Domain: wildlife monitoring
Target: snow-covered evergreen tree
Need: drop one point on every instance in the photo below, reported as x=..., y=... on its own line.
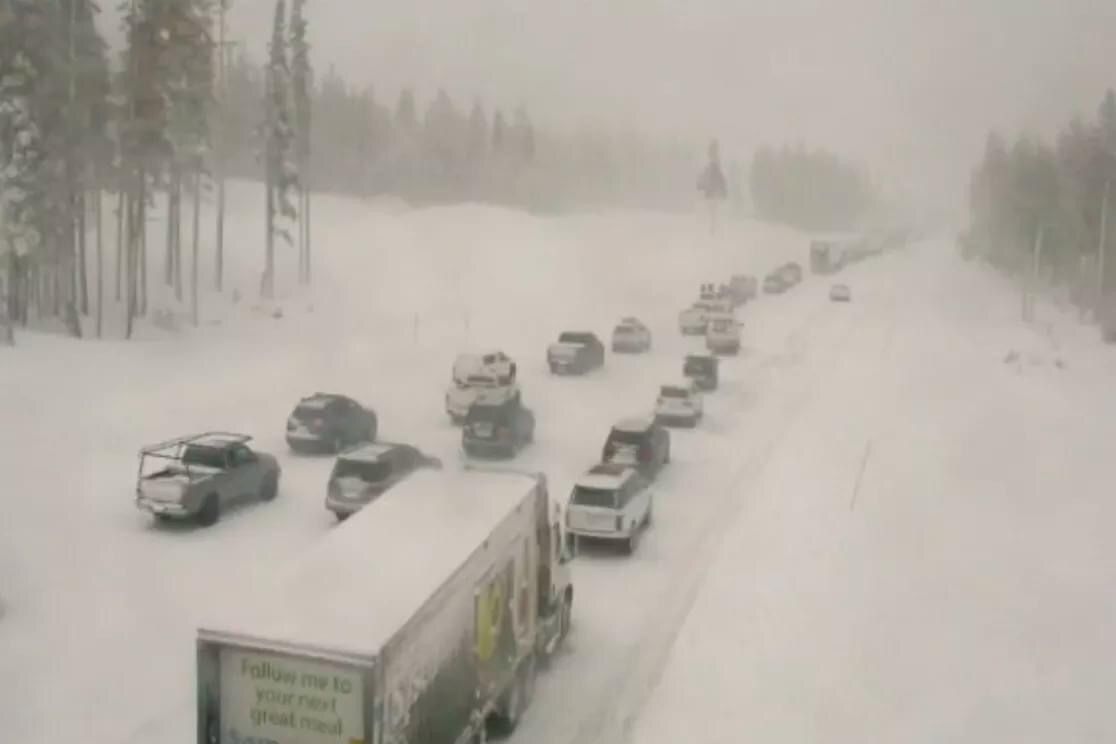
x=278, y=135
x=301, y=89
x=21, y=170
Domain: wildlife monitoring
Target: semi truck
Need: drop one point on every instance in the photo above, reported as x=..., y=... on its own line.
x=424, y=618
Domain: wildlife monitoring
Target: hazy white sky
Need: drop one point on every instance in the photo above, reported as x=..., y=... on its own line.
x=908, y=86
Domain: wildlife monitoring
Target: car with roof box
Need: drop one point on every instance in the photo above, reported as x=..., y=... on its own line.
x=489, y=377
x=611, y=502
x=679, y=404
x=196, y=477
x=638, y=442
x=329, y=422
x=362, y=474
x=497, y=429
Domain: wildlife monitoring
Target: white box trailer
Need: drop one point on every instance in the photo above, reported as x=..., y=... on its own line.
x=422, y=619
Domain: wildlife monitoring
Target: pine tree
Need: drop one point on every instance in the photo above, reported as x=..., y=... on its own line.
x=498, y=133
x=302, y=86
x=22, y=160
x=406, y=115
x=38, y=151
x=144, y=142
x=478, y=133
x=281, y=175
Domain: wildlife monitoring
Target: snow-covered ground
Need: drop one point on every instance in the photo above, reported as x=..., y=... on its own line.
x=958, y=593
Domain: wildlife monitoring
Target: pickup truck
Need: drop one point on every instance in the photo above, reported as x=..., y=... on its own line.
x=196, y=477
x=423, y=618
x=576, y=352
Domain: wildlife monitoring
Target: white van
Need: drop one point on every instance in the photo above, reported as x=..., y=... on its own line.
x=611, y=502
x=679, y=403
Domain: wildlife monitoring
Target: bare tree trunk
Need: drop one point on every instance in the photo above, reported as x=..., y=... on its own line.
x=168, y=265
x=119, y=237
x=301, y=239
x=12, y=309
x=220, y=229
x=133, y=245
x=221, y=131
x=194, y=256
x=177, y=186
x=83, y=269
x=56, y=288
x=306, y=220
x=141, y=227
x=268, y=289
x=97, y=203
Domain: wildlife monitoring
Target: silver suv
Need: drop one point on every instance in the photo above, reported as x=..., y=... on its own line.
x=361, y=475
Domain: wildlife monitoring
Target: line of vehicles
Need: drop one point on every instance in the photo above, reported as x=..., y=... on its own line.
x=376, y=637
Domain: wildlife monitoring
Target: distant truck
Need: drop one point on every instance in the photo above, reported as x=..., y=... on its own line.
x=827, y=255
x=196, y=477
x=425, y=617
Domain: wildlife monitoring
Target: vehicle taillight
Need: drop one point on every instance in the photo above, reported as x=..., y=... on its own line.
x=317, y=424
x=644, y=455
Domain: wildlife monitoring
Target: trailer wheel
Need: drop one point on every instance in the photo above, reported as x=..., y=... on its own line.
x=530, y=677
x=567, y=614
x=511, y=707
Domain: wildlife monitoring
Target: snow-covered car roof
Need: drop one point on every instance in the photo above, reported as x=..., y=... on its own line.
x=634, y=424
x=369, y=452
x=606, y=475
x=220, y=441
x=684, y=384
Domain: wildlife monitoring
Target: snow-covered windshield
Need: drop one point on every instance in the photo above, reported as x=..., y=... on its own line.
x=309, y=411
x=482, y=381
x=622, y=436
x=698, y=366
x=599, y=497
x=368, y=471
x=209, y=457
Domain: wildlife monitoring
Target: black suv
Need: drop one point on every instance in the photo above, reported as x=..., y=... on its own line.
x=329, y=422
x=576, y=352
x=497, y=429
x=361, y=475
x=703, y=370
x=640, y=443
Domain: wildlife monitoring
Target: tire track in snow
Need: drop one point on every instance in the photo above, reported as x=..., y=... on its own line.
x=636, y=678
